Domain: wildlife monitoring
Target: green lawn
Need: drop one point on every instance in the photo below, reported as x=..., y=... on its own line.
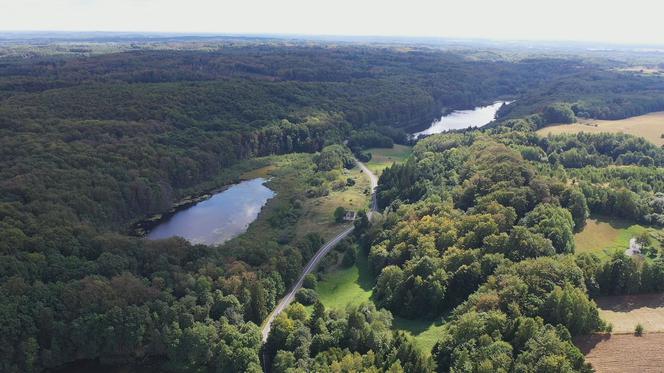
x=353, y=285
x=603, y=235
x=425, y=332
x=347, y=286
x=381, y=158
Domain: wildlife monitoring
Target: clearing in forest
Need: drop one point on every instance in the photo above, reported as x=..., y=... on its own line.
x=624, y=353
x=603, y=235
x=382, y=158
x=318, y=214
x=649, y=126
x=346, y=286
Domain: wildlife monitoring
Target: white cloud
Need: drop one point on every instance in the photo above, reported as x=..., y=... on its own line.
x=618, y=21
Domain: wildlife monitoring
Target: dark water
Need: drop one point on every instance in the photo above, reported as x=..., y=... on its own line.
x=218, y=219
x=460, y=119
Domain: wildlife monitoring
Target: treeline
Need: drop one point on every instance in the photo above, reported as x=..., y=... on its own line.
x=357, y=339
x=593, y=93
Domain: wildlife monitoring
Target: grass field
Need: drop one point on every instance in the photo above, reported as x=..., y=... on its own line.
x=382, y=158
x=318, y=215
x=343, y=287
x=625, y=311
x=353, y=285
x=425, y=332
x=649, y=126
x=605, y=235
x=614, y=353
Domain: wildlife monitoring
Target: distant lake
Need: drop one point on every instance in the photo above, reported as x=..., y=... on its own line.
x=216, y=220
x=461, y=119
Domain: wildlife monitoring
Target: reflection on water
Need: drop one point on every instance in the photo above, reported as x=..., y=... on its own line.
x=461, y=119
x=219, y=218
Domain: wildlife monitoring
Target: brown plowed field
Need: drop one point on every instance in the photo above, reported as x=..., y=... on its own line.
x=624, y=353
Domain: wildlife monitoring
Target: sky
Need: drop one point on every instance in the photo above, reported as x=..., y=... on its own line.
x=618, y=21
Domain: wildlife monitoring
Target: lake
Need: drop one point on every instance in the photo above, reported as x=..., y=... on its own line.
x=216, y=220
x=461, y=119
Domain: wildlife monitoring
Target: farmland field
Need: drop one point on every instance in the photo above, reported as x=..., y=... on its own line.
x=625, y=311
x=382, y=158
x=649, y=126
x=613, y=353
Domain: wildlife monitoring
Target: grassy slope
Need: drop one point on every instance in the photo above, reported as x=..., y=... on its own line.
x=318, y=213
x=343, y=287
x=354, y=285
x=603, y=235
x=649, y=126
x=381, y=158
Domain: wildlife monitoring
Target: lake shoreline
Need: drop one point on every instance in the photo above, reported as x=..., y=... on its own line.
x=462, y=119
x=143, y=227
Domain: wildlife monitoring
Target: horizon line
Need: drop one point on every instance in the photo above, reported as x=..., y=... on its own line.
x=278, y=35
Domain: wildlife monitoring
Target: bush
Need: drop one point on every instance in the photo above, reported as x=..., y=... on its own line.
x=306, y=296
x=310, y=281
x=363, y=156
x=638, y=331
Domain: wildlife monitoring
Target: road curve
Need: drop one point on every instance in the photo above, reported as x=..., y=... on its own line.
x=285, y=301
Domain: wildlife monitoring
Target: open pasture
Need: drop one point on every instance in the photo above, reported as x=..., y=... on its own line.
x=649, y=126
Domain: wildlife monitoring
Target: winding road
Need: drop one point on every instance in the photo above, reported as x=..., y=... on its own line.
x=285, y=301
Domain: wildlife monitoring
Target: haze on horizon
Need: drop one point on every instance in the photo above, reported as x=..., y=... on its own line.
x=631, y=22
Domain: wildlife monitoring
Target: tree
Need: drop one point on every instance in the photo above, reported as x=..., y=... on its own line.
x=575, y=202
x=554, y=223
x=339, y=214
x=310, y=281
x=571, y=307
x=558, y=113
x=306, y=296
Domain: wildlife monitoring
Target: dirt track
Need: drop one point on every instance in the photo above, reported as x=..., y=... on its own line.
x=625, y=353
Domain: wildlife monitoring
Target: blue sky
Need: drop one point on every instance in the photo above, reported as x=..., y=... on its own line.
x=635, y=21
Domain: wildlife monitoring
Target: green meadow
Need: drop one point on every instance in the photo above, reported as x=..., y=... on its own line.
x=353, y=285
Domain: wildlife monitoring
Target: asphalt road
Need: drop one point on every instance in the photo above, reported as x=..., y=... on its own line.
x=285, y=301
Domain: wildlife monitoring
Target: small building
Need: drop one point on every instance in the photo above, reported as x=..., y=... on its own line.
x=350, y=215
x=634, y=248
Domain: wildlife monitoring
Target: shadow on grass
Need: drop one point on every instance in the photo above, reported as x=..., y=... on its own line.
x=366, y=280
x=626, y=303
x=416, y=327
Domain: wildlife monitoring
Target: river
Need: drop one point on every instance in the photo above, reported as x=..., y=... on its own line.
x=220, y=218
x=461, y=119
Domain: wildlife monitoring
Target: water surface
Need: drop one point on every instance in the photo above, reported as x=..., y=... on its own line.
x=461, y=119
x=216, y=220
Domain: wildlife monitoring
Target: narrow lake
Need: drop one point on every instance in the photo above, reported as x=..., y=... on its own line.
x=461, y=119
x=216, y=220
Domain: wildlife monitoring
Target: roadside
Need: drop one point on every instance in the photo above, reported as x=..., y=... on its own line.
x=288, y=298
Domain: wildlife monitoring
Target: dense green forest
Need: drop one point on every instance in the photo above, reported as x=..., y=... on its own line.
x=476, y=225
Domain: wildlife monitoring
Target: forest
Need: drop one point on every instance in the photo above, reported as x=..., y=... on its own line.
x=476, y=225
